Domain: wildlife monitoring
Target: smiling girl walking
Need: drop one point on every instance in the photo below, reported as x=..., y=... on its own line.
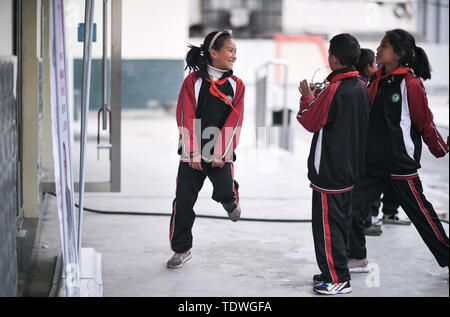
x=210, y=112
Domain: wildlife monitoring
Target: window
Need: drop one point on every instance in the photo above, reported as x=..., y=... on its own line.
x=247, y=18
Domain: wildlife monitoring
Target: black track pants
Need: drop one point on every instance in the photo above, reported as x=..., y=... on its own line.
x=390, y=205
x=331, y=225
x=408, y=192
x=189, y=184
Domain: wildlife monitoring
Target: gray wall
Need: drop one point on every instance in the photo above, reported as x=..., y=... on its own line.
x=142, y=81
x=8, y=178
x=433, y=20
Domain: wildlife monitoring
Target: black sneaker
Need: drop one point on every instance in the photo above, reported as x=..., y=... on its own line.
x=373, y=230
x=318, y=278
x=333, y=288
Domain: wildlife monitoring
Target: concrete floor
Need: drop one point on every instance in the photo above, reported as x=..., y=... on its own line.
x=251, y=259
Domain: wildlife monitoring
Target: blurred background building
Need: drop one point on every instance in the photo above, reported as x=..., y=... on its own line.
x=154, y=42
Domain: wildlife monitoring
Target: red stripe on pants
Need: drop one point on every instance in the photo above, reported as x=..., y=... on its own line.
x=173, y=222
x=326, y=230
x=234, y=187
x=425, y=211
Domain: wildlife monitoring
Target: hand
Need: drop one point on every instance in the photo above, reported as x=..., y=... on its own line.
x=196, y=162
x=217, y=162
x=305, y=89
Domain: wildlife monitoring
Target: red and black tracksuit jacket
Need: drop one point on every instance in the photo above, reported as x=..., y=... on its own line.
x=209, y=116
x=338, y=117
x=399, y=121
x=204, y=108
x=400, y=117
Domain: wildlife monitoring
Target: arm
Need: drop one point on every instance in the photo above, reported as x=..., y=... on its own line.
x=228, y=138
x=313, y=111
x=185, y=114
x=421, y=117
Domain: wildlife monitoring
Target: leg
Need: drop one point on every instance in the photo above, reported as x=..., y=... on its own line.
x=410, y=195
x=225, y=188
x=331, y=221
x=368, y=190
x=390, y=204
x=375, y=208
x=189, y=183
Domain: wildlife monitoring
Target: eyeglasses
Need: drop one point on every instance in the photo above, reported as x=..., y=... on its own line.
x=313, y=84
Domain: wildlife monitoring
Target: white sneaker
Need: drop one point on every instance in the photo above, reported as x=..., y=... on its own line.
x=178, y=259
x=235, y=213
x=358, y=265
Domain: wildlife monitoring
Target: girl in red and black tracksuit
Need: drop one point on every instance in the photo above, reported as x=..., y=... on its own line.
x=399, y=120
x=210, y=112
x=338, y=117
x=366, y=67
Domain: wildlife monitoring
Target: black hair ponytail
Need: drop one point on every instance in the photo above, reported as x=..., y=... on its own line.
x=421, y=65
x=195, y=58
x=411, y=55
x=198, y=56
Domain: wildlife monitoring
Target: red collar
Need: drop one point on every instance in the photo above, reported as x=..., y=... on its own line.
x=397, y=71
x=373, y=88
x=341, y=76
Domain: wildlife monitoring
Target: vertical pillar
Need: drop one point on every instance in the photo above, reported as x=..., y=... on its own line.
x=46, y=138
x=30, y=106
x=116, y=93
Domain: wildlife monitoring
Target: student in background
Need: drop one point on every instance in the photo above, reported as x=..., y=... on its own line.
x=366, y=65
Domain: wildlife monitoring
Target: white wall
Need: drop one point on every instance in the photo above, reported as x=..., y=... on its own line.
x=155, y=28
x=159, y=29
x=333, y=17
x=151, y=29
x=6, y=27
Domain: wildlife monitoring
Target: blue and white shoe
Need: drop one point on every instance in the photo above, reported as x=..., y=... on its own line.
x=333, y=288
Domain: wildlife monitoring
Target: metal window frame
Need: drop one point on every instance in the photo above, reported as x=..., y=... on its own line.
x=114, y=184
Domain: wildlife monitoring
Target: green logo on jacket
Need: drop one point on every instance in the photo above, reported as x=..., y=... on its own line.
x=395, y=97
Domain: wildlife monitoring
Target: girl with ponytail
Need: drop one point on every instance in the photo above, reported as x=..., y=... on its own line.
x=210, y=112
x=399, y=119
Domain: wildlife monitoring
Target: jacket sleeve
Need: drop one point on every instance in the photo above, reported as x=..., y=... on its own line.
x=313, y=113
x=228, y=139
x=185, y=114
x=422, y=118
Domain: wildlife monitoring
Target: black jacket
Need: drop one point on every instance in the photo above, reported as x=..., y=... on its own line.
x=399, y=119
x=338, y=116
